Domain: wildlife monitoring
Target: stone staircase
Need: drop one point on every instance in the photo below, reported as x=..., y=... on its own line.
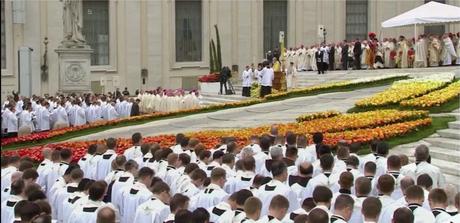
x=444, y=149
x=304, y=79
x=209, y=99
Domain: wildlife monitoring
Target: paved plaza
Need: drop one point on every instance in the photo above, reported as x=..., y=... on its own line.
x=268, y=113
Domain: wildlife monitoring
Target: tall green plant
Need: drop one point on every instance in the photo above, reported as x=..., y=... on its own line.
x=219, y=55
x=215, y=65
x=211, y=58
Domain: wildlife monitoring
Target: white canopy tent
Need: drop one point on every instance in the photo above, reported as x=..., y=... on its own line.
x=429, y=13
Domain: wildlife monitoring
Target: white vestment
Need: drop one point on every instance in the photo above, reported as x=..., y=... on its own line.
x=8, y=208
x=268, y=191
x=43, y=119
x=421, y=54
x=217, y=211
x=61, y=196
x=12, y=120
x=125, y=179
x=448, y=52
x=133, y=153
x=80, y=116
x=210, y=196
x=104, y=165
x=130, y=198
x=153, y=210
x=26, y=120
x=87, y=212
x=415, y=170
x=323, y=179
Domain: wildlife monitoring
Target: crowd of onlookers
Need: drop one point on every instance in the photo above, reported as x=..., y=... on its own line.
x=275, y=178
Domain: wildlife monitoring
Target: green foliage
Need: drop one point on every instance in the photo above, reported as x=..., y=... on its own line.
x=219, y=55
x=211, y=59
x=215, y=67
x=215, y=54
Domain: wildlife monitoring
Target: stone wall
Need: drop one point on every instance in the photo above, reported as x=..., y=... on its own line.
x=142, y=37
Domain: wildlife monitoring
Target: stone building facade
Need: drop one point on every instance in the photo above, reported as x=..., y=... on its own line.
x=143, y=44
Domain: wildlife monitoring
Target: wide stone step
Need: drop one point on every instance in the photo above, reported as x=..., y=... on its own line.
x=235, y=97
x=447, y=143
x=447, y=167
x=445, y=154
x=218, y=100
x=455, y=180
x=454, y=125
x=449, y=133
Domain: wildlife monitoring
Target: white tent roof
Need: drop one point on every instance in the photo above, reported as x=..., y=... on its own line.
x=429, y=13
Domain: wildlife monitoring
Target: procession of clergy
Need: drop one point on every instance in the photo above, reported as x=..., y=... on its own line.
x=25, y=115
x=426, y=51
x=276, y=178
x=21, y=115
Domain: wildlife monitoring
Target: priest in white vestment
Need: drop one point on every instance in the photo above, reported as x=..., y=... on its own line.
x=338, y=57
x=403, y=52
x=26, y=121
x=291, y=76
x=12, y=120
x=448, y=51
x=80, y=116
x=421, y=53
x=61, y=119
x=302, y=52
x=5, y=113
x=312, y=53
x=111, y=112
x=295, y=59
x=43, y=117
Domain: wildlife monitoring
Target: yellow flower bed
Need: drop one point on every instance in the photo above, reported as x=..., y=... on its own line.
x=337, y=123
x=317, y=115
x=435, y=98
x=400, y=91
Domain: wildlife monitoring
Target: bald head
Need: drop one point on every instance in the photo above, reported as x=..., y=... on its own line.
x=305, y=168
x=106, y=215
x=421, y=153
x=46, y=152
x=406, y=182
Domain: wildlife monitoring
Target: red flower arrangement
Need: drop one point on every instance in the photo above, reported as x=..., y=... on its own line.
x=212, y=138
x=392, y=55
x=212, y=77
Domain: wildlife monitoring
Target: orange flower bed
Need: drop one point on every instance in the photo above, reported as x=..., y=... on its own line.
x=212, y=138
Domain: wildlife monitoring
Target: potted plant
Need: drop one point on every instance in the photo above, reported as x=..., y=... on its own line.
x=209, y=83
